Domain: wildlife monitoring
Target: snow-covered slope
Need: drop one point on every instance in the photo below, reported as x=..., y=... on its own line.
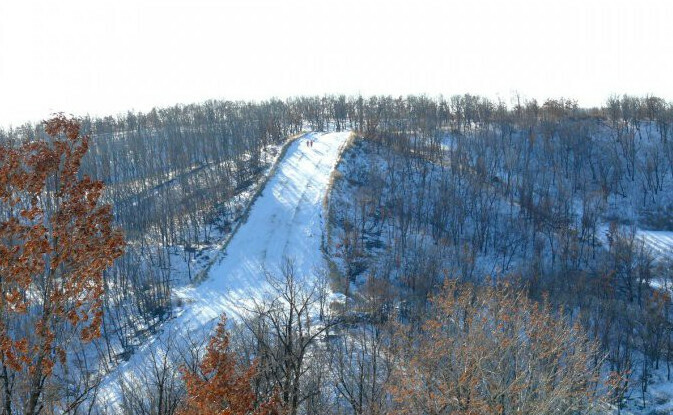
x=661, y=242
x=285, y=221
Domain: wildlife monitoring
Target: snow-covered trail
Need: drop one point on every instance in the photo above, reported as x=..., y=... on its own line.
x=286, y=220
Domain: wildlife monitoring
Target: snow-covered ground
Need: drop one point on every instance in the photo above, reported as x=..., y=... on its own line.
x=285, y=221
x=661, y=242
x=659, y=397
x=660, y=392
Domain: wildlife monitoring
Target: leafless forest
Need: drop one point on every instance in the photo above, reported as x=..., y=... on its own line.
x=488, y=258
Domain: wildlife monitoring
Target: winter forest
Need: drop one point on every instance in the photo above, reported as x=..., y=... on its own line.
x=340, y=255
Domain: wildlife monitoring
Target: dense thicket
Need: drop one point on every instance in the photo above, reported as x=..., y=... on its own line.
x=491, y=350
x=551, y=193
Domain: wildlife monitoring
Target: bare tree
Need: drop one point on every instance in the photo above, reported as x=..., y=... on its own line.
x=285, y=330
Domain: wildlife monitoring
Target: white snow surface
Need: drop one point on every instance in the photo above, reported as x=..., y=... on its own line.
x=661, y=242
x=286, y=220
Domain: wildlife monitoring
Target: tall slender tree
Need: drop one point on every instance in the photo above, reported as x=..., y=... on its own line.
x=219, y=386
x=56, y=239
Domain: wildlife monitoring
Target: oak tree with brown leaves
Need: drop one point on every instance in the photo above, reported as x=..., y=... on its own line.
x=220, y=386
x=491, y=350
x=56, y=239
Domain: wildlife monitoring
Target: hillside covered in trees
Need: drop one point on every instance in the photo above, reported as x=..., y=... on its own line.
x=475, y=257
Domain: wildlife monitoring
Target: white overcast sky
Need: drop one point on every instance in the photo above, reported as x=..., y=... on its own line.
x=104, y=57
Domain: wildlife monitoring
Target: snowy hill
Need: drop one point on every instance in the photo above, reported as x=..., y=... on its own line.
x=286, y=221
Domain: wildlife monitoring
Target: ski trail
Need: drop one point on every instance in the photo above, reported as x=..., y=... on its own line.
x=284, y=221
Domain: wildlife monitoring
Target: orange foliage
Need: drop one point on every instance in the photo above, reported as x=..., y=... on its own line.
x=56, y=240
x=220, y=387
x=491, y=350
